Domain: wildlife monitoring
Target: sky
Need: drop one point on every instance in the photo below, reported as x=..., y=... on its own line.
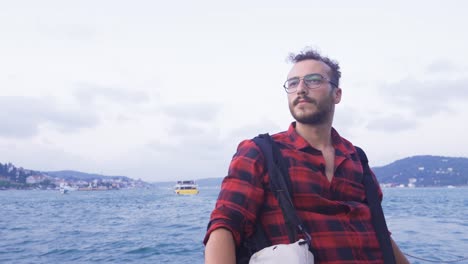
x=166, y=90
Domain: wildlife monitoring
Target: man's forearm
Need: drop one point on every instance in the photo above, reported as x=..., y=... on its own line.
x=220, y=247
x=399, y=256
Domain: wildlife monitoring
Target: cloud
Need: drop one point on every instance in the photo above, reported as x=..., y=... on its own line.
x=189, y=140
x=200, y=153
x=187, y=126
x=346, y=119
x=22, y=116
x=393, y=123
x=70, y=121
x=251, y=130
x=193, y=111
x=182, y=129
x=89, y=93
x=197, y=155
x=441, y=66
x=115, y=103
x=171, y=166
x=38, y=156
x=411, y=102
x=426, y=98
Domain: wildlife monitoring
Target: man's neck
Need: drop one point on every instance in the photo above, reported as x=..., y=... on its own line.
x=318, y=136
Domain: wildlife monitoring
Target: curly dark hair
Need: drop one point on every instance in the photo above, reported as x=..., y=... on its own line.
x=311, y=54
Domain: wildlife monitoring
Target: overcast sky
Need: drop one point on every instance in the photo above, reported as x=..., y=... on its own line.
x=165, y=90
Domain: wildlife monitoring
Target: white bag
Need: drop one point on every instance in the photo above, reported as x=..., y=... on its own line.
x=295, y=253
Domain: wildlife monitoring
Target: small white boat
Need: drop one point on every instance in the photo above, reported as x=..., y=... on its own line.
x=64, y=189
x=186, y=188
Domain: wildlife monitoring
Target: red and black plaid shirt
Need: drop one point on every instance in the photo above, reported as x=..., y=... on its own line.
x=333, y=212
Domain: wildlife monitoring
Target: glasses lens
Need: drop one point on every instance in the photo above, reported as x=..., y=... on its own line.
x=292, y=83
x=313, y=80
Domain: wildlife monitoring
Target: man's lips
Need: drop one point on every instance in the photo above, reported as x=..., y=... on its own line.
x=299, y=100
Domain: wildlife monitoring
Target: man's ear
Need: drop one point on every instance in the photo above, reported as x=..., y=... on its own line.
x=337, y=94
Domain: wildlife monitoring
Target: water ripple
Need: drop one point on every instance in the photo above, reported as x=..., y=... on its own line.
x=155, y=226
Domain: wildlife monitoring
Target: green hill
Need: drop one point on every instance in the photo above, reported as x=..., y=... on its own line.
x=425, y=171
x=77, y=175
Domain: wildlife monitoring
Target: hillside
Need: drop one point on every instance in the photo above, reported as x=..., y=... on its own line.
x=12, y=177
x=422, y=171
x=425, y=171
x=77, y=175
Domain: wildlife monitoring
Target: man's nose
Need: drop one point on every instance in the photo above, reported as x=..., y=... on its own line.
x=302, y=87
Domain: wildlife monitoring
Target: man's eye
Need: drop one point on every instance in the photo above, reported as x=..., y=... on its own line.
x=313, y=79
x=293, y=83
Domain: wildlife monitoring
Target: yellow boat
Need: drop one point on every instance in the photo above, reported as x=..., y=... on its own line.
x=186, y=188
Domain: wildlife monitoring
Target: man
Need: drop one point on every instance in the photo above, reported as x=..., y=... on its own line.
x=326, y=176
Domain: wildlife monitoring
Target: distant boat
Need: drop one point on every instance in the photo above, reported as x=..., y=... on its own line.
x=64, y=189
x=186, y=188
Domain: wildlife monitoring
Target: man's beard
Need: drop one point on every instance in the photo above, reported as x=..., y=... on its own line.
x=320, y=116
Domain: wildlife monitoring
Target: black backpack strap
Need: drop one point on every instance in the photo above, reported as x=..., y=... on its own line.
x=279, y=177
x=249, y=246
x=378, y=219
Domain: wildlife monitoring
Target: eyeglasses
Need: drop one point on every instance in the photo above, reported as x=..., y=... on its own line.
x=311, y=81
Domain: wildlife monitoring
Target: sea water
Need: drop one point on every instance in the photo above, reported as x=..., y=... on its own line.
x=157, y=226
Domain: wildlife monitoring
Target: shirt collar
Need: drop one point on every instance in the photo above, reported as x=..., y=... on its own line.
x=341, y=145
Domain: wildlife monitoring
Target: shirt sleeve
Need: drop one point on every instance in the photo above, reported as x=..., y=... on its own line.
x=241, y=193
